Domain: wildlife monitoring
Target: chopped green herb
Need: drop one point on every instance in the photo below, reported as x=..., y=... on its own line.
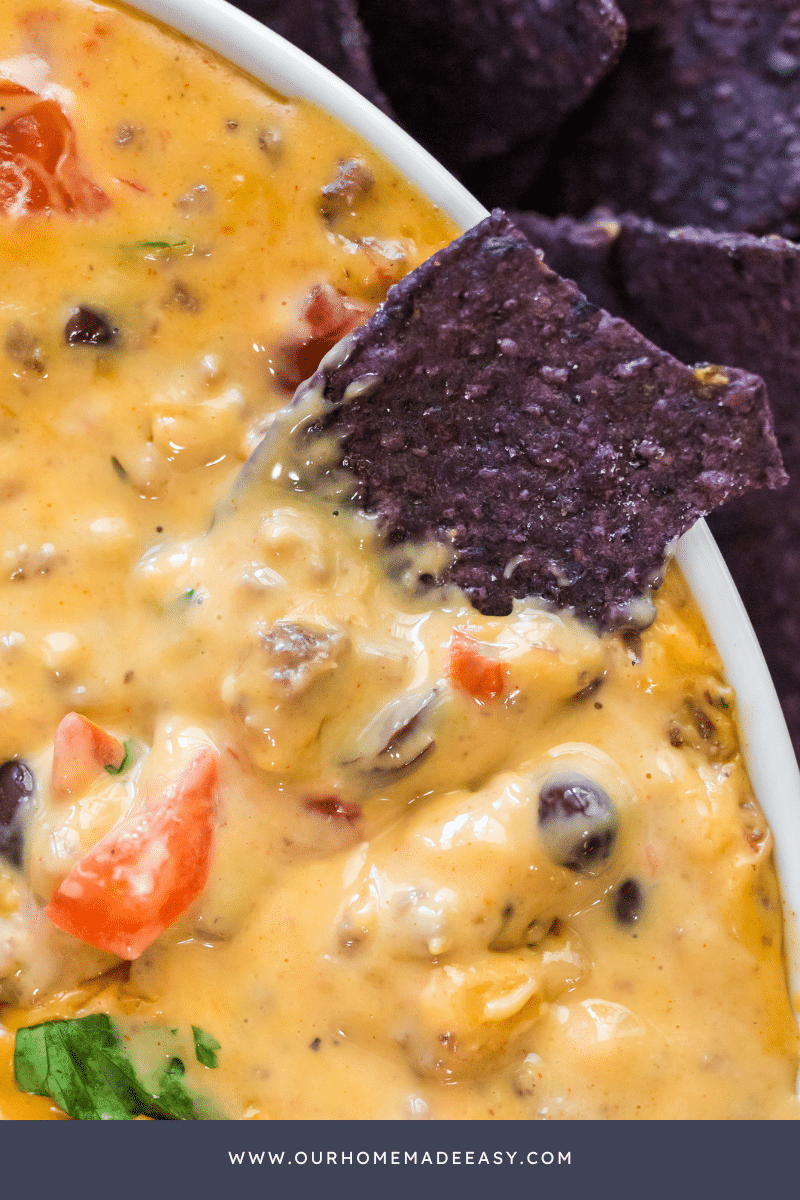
x=155, y=245
x=81, y=1065
x=205, y=1047
x=188, y=595
x=126, y=762
x=172, y=1093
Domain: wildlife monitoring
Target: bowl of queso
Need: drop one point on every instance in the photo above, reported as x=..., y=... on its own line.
x=264, y=814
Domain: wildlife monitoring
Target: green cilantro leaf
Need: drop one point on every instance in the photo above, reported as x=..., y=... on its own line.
x=82, y=1065
x=126, y=762
x=79, y=1065
x=155, y=245
x=172, y=1093
x=205, y=1047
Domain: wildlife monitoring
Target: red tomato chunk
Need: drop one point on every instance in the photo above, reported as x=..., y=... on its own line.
x=472, y=672
x=39, y=166
x=81, y=752
x=147, y=869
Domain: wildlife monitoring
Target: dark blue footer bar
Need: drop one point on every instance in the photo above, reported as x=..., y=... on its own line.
x=412, y=1160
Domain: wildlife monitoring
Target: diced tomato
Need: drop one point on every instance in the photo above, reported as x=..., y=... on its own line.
x=147, y=869
x=39, y=165
x=328, y=315
x=81, y=752
x=472, y=672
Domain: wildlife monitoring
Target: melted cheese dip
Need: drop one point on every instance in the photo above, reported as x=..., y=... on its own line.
x=394, y=924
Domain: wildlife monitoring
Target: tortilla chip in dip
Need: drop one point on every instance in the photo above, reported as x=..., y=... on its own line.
x=490, y=406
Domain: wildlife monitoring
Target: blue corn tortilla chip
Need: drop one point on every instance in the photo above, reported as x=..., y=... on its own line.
x=472, y=79
x=330, y=31
x=490, y=406
x=504, y=180
x=700, y=122
x=583, y=250
x=725, y=297
x=760, y=539
x=646, y=14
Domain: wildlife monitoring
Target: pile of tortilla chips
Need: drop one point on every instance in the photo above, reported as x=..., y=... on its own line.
x=652, y=149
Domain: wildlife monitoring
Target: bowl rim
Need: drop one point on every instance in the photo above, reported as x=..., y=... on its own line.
x=766, y=744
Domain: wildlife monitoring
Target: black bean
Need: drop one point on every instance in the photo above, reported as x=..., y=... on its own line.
x=334, y=808
x=589, y=690
x=577, y=822
x=628, y=902
x=16, y=787
x=88, y=327
x=632, y=641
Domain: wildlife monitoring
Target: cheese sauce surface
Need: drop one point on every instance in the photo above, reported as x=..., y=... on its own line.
x=430, y=864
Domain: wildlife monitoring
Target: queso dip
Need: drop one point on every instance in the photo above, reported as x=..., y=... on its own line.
x=429, y=864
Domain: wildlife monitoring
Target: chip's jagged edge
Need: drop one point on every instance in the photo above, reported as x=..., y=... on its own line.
x=732, y=297
x=489, y=405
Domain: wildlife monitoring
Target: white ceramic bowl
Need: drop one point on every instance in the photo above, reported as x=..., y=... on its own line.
x=767, y=747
